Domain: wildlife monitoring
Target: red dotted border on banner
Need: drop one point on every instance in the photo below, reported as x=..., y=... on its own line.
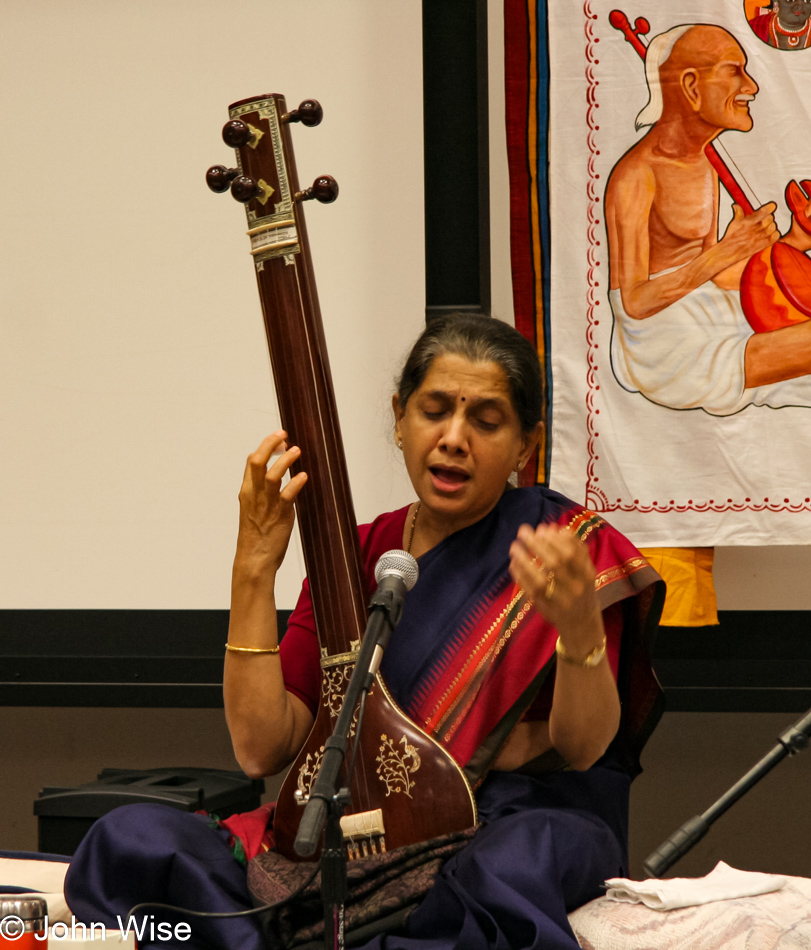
x=596, y=499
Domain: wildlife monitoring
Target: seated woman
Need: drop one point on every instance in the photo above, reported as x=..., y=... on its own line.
x=545, y=734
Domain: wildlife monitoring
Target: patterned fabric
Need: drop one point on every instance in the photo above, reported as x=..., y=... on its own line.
x=547, y=845
x=467, y=660
x=526, y=82
x=383, y=890
x=777, y=921
x=251, y=831
x=471, y=653
x=656, y=451
x=467, y=635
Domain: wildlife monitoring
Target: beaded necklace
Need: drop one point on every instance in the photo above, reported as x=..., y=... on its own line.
x=793, y=37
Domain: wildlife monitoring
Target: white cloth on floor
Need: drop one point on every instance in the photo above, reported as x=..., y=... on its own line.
x=722, y=883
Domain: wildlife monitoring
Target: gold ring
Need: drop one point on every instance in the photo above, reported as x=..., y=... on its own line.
x=550, y=585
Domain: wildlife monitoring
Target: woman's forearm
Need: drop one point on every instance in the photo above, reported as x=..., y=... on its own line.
x=268, y=725
x=585, y=711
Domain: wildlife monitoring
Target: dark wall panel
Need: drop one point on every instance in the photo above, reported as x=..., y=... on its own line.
x=755, y=661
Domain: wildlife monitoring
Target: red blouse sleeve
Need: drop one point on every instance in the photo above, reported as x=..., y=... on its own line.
x=300, y=654
x=301, y=666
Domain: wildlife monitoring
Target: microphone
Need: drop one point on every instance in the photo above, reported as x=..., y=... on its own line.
x=396, y=572
x=395, y=568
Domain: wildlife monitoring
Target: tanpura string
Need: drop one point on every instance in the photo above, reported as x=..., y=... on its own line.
x=721, y=149
x=362, y=784
x=344, y=558
x=356, y=744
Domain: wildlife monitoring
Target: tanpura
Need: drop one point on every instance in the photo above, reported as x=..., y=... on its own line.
x=406, y=788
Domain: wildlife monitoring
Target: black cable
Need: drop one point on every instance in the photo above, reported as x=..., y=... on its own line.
x=234, y=913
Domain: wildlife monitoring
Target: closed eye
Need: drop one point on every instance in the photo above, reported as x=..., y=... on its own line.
x=486, y=425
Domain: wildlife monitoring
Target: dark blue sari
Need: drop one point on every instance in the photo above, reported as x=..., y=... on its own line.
x=549, y=839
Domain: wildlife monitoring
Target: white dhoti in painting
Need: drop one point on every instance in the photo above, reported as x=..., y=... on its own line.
x=690, y=355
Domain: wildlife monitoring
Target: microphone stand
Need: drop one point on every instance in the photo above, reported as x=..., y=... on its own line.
x=691, y=832
x=326, y=802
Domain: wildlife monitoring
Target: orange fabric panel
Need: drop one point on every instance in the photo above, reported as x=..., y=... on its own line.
x=687, y=572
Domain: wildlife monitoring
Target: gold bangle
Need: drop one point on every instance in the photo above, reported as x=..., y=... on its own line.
x=591, y=660
x=234, y=649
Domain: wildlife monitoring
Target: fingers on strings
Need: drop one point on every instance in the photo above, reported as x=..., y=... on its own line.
x=268, y=466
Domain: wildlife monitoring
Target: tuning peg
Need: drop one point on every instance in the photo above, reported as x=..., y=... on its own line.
x=324, y=189
x=237, y=133
x=219, y=178
x=309, y=113
x=245, y=189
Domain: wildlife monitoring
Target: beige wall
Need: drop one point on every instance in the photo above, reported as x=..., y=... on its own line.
x=134, y=375
x=133, y=368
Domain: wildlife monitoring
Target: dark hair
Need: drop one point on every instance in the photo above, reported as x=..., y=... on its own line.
x=480, y=340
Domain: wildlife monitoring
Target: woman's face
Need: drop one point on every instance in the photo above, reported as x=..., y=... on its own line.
x=461, y=440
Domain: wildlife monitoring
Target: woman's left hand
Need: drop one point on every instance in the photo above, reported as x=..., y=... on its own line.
x=554, y=569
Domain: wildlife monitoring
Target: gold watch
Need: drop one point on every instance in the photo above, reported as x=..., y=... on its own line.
x=593, y=659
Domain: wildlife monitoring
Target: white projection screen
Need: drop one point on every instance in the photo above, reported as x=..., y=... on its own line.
x=134, y=376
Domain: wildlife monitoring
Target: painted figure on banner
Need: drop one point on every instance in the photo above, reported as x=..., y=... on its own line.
x=703, y=321
x=784, y=24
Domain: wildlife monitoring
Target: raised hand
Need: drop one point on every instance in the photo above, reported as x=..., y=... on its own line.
x=266, y=512
x=268, y=725
x=555, y=570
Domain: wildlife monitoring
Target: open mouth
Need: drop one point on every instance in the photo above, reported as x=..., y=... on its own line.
x=448, y=479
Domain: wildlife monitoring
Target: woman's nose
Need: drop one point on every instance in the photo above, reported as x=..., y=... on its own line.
x=454, y=437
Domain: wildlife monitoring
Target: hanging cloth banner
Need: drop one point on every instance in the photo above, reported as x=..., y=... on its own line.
x=678, y=333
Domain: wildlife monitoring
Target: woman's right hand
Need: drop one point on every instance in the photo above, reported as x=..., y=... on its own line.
x=268, y=725
x=266, y=512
